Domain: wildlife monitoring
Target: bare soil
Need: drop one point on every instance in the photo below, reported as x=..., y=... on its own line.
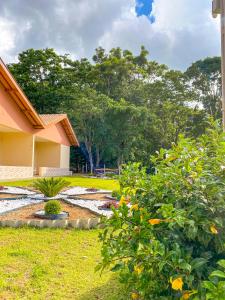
x=95, y=196
x=27, y=213
x=2, y=195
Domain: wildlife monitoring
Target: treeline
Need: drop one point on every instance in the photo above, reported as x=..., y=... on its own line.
x=123, y=107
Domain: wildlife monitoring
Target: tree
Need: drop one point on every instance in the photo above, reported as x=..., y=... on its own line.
x=87, y=114
x=205, y=78
x=41, y=75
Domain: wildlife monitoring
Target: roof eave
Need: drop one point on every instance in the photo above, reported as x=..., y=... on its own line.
x=13, y=88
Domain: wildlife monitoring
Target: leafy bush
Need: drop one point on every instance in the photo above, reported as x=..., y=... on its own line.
x=50, y=187
x=168, y=242
x=52, y=207
x=215, y=287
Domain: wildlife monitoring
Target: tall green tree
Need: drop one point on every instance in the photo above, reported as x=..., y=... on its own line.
x=205, y=78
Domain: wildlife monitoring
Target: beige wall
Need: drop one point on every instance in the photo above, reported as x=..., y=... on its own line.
x=65, y=157
x=16, y=149
x=12, y=172
x=46, y=154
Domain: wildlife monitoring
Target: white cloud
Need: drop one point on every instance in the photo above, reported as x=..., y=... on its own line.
x=183, y=32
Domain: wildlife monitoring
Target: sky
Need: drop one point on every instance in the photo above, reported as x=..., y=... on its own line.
x=175, y=32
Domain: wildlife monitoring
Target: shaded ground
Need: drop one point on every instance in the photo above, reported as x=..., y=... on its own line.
x=53, y=264
x=27, y=212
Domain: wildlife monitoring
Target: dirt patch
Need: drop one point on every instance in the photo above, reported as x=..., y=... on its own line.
x=95, y=196
x=6, y=196
x=27, y=213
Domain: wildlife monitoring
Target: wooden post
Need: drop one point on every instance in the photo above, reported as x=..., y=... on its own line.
x=219, y=8
x=223, y=58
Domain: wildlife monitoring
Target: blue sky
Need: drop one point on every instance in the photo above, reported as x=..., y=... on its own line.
x=144, y=7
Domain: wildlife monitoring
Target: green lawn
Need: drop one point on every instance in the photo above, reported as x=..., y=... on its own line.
x=53, y=264
x=108, y=184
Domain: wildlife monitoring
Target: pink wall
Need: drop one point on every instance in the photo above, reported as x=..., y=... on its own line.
x=55, y=133
x=11, y=116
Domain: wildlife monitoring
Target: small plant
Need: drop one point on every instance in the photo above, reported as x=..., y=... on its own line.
x=50, y=187
x=1, y=187
x=52, y=207
x=109, y=205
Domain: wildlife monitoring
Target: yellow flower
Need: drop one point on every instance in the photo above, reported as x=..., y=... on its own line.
x=213, y=229
x=154, y=221
x=134, y=207
x=186, y=295
x=134, y=296
x=123, y=200
x=177, y=284
x=138, y=269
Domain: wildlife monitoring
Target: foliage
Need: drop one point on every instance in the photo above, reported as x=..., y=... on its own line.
x=205, y=78
x=168, y=240
x=215, y=287
x=50, y=187
x=52, y=207
x=122, y=106
x=116, y=194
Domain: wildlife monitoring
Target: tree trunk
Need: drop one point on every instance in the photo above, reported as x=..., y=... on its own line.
x=90, y=156
x=97, y=157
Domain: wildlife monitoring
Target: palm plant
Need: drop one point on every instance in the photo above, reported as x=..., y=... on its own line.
x=50, y=187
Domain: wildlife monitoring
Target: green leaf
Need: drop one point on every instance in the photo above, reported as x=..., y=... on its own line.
x=117, y=267
x=221, y=263
x=218, y=273
x=198, y=262
x=209, y=285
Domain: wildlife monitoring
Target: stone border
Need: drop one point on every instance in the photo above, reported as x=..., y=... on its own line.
x=90, y=223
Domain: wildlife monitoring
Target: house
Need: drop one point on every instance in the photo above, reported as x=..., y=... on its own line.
x=30, y=144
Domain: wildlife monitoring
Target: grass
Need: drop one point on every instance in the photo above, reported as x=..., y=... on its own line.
x=108, y=184
x=53, y=264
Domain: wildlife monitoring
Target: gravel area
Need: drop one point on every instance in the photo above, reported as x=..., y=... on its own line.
x=16, y=190
x=8, y=205
x=94, y=196
x=80, y=190
x=27, y=213
x=92, y=205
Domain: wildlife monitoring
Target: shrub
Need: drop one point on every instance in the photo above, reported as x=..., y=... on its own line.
x=215, y=287
x=52, y=207
x=168, y=242
x=50, y=187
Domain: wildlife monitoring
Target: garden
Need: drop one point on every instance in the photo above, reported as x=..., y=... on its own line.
x=160, y=235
